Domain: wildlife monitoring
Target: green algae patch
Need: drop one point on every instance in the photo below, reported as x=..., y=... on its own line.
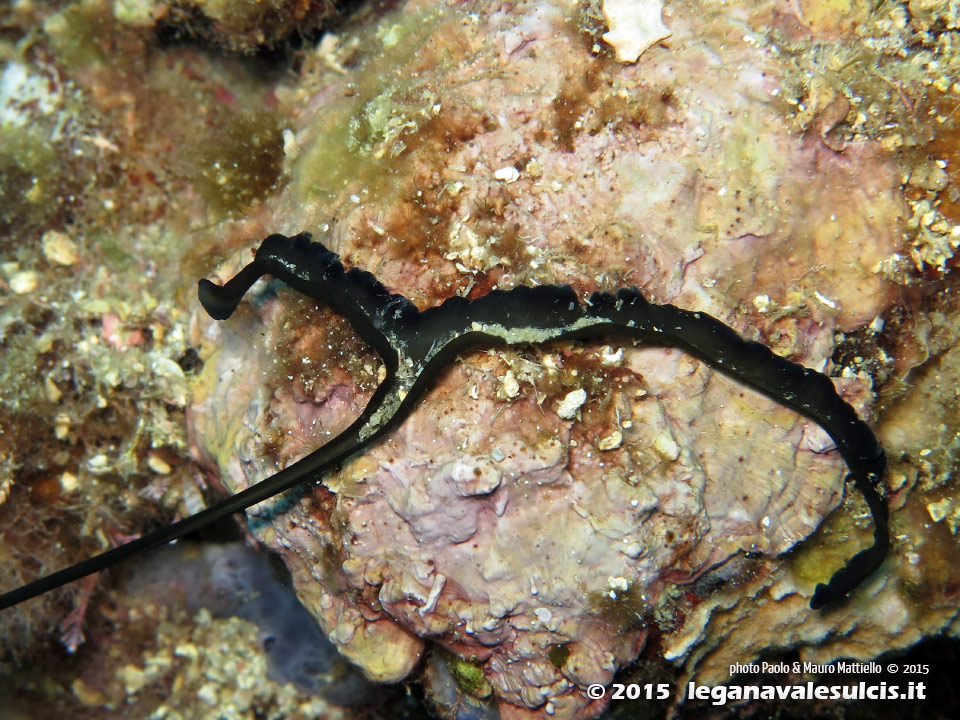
x=815, y=561
x=558, y=655
x=42, y=168
x=29, y=180
x=365, y=133
x=625, y=607
x=469, y=677
x=242, y=163
x=87, y=37
x=931, y=551
x=814, y=565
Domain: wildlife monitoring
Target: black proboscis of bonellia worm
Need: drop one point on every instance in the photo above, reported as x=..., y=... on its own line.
x=415, y=346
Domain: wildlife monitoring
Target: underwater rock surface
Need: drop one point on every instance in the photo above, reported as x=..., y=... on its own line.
x=233, y=581
x=560, y=497
x=789, y=167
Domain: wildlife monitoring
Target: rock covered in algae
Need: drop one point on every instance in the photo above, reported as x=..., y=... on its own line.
x=242, y=26
x=554, y=497
x=114, y=142
x=139, y=152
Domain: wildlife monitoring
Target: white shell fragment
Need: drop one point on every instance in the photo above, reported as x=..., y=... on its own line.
x=174, y=382
x=825, y=300
x=543, y=614
x=158, y=465
x=438, y=582
x=666, y=446
x=571, y=403
x=610, y=357
x=21, y=282
x=510, y=386
x=611, y=441
x=68, y=482
x=635, y=25
x=59, y=249
x=507, y=174
x=939, y=510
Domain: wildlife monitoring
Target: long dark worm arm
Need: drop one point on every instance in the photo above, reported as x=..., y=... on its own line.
x=415, y=345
